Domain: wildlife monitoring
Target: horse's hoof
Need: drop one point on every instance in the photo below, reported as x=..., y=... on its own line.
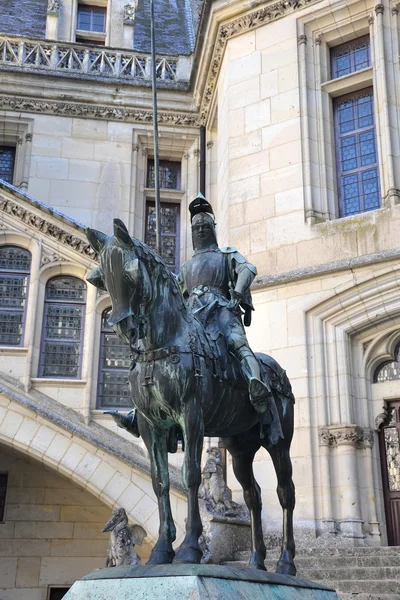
x=188, y=555
x=257, y=562
x=285, y=568
x=161, y=557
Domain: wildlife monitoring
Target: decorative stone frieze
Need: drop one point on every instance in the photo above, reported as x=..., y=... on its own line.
x=346, y=435
x=109, y=113
x=130, y=13
x=53, y=7
x=79, y=244
x=237, y=26
x=49, y=256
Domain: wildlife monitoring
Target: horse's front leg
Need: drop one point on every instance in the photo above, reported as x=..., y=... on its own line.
x=156, y=444
x=193, y=431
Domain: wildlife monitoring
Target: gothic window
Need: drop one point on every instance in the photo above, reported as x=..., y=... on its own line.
x=7, y=161
x=113, y=389
x=389, y=371
x=350, y=57
x=91, y=18
x=15, y=266
x=63, y=322
x=3, y=491
x=169, y=232
x=356, y=153
x=169, y=173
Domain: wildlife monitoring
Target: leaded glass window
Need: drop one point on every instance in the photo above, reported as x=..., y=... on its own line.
x=351, y=57
x=15, y=266
x=115, y=360
x=389, y=371
x=7, y=160
x=169, y=173
x=356, y=153
x=3, y=492
x=62, y=337
x=91, y=18
x=169, y=232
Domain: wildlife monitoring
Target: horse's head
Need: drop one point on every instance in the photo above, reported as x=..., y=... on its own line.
x=123, y=276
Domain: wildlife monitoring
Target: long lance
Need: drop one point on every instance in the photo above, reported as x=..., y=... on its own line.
x=155, y=128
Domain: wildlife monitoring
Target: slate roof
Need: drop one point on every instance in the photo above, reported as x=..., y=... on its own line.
x=23, y=17
x=176, y=23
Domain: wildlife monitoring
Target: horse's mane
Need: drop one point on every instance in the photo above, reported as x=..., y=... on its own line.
x=158, y=265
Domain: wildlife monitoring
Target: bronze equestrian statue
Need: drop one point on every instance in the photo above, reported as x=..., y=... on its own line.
x=194, y=375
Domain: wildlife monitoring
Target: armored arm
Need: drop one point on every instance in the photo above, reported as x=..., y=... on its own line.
x=243, y=274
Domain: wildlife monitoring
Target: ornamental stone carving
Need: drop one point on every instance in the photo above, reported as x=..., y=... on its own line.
x=383, y=419
x=37, y=222
x=130, y=13
x=108, y=113
x=346, y=435
x=50, y=256
x=53, y=7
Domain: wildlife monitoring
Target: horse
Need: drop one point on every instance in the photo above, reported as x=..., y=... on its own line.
x=182, y=388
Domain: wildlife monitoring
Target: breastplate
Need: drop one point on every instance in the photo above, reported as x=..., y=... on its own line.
x=208, y=269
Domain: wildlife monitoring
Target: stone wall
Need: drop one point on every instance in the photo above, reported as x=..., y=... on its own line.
x=51, y=534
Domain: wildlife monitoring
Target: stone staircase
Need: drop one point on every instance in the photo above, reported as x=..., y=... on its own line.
x=363, y=573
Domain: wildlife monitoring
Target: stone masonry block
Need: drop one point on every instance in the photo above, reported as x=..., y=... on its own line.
x=242, y=145
x=84, y=170
x=69, y=497
x=8, y=571
x=24, y=547
x=285, y=106
x=43, y=439
x=116, y=486
x=73, y=456
x=243, y=94
x=32, y=512
x=257, y=115
x=58, y=447
x=28, y=571
x=244, y=68
x=80, y=547
x=87, y=465
x=85, y=128
x=77, y=148
x=241, y=46
x=269, y=84
x=51, y=168
x=10, y=425
x=27, y=431
x=285, y=155
x=85, y=514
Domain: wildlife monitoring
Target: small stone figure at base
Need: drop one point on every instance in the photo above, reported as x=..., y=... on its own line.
x=214, y=491
x=122, y=540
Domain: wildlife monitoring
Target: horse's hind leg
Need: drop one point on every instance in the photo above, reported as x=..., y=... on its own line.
x=243, y=452
x=189, y=551
x=156, y=444
x=286, y=494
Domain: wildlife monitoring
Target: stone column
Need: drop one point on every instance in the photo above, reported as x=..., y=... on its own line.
x=53, y=9
x=344, y=440
x=328, y=520
x=88, y=358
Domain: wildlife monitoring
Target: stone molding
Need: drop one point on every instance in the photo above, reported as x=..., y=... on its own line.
x=346, y=435
x=239, y=25
x=93, y=111
x=46, y=227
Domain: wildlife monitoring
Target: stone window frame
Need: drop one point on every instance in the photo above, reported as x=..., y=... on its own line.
x=90, y=36
x=27, y=276
x=18, y=133
x=317, y=91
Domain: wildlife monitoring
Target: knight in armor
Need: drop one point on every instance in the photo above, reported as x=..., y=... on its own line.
x=216, y=285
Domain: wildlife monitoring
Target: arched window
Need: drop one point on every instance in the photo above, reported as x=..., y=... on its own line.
x=63, y=320
x=113, y=389
x=389, y=371
x=15, y=266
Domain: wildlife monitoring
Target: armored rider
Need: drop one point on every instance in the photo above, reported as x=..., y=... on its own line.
x=216, y=285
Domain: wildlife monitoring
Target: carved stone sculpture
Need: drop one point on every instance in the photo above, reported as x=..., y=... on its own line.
x=122, y=540
x=130, y=13
x=53, y=7
x=214, y=491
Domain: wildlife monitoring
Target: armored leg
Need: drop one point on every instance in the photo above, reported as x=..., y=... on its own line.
x=259, y=390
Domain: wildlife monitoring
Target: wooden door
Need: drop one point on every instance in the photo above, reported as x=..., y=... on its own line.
x=390, y=463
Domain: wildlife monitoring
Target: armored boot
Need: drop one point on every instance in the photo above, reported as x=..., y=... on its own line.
x=260, y=392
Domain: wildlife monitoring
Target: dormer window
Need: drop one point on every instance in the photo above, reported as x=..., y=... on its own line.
x=91, y=24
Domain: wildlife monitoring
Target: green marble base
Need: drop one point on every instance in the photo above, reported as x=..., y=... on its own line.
x=194, y=582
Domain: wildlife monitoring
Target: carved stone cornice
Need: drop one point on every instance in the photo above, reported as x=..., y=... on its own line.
x=93, y=111
x=346, y=435
x=239, y=25
x=46, y=227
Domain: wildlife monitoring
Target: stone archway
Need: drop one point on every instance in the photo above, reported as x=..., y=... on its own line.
x=79, y=452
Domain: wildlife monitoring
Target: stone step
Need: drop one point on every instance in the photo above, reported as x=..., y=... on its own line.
x=336, y=562
x=370, y=596
x=319, y=553
x=364, y=586
x=350, y=572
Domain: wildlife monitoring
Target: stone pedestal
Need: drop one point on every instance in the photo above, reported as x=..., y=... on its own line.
x=194, y=582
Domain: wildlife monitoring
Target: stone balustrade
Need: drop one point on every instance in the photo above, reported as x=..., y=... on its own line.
x=72, y=58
